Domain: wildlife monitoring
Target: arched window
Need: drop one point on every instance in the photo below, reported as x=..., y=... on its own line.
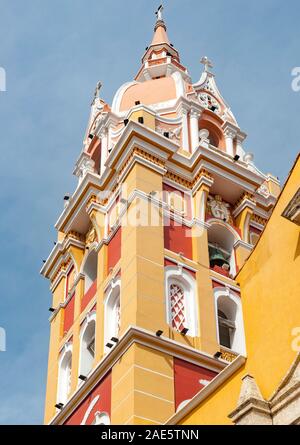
x=64, y=374
x=221, y=241
x=226, y=330
x=229, y=319
x=87, y=344
x=181, y=300
x=178, y=305
x=112, y=315
x=90, y=270
x=215, y=136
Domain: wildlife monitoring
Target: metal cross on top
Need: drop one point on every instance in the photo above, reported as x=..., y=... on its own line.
x=159, y=13
x=207, y=63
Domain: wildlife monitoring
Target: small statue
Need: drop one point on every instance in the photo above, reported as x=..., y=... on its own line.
x=219, y=208
x=207, y=63
x=97, y=91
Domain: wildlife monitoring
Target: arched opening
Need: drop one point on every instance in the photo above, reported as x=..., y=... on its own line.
x=221, y=242
x=226, y=329
x=230, y=325
x=64, y=375
x=215, y=137
x=181, y=300
x=87, y=345
x=90, y=270
x=112, y=316
x=177, y=296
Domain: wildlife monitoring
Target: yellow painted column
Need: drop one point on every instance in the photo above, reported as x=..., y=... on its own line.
x=56, y=328
x=101, y=277
x=98, y=220
x=207, y=341
x=79, y=291
x=243, y=221
x=139, y=393
x=142, y=255
x=142, y=387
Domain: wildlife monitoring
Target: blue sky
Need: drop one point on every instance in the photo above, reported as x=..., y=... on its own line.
x=54, y=52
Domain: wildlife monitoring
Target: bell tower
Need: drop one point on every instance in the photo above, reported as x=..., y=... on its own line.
x=146, y=310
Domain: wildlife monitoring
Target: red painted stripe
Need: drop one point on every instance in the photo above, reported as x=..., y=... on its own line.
x=89, y=295
x=69, y=314
x=177, y=238
x=187, y=377
x=114, y=249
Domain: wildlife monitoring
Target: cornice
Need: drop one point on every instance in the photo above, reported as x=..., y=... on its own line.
x=156, y=144
x=90, y=179
x=224, y=281
x=57, y=256
x=242, y=243
x=245, y=203
x=135, y=335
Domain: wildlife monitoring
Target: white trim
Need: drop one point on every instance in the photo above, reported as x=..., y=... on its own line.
x=101, y=418
x=116, y=103
x=89, y=410
x=179, y=263
x=179, y=275
x=89, y=319
x=183, y=404
x=88, y=281
x=63, y=388
x=149, y=394
x=246, y=203
x=112, y=301
x=257, y=225
x=157, y=422
x=224, y=283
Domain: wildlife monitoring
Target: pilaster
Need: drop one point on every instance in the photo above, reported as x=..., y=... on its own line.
x=206, y=316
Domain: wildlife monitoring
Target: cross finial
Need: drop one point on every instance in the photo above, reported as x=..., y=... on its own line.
x=97, y=90
x=159, y=13
x=207, y=63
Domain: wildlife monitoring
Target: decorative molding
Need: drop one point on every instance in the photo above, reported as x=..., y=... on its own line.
x=292, y=210
x=135, y=335
x=83, y=166
x=227, y=354
x=246, y=201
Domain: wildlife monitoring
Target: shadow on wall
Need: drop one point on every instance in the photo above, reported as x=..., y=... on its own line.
x=297, y=251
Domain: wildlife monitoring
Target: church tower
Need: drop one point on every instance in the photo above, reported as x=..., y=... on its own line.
x=168, y=205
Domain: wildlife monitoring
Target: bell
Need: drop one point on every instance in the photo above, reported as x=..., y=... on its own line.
x=217, y=258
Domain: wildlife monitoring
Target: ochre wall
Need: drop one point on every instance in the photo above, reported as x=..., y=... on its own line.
x=270, y=283
x=103, y=404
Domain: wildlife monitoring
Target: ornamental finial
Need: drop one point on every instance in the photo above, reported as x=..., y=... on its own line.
x=207, y=64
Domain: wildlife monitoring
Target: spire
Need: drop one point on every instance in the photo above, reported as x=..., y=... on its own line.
x=249, y=390
x=160, y=58
x=160, y=29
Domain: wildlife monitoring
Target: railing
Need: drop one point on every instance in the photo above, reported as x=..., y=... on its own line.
x=228, y=355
